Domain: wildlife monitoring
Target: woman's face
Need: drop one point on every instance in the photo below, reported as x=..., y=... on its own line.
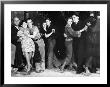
x=69, y=21
x=48, y=22
x=44, y=25
x=29, y=23
x=24, y=25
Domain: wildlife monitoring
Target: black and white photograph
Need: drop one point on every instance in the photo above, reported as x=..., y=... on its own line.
x=55, y=41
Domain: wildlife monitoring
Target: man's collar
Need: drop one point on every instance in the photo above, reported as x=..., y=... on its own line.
x=17, y=27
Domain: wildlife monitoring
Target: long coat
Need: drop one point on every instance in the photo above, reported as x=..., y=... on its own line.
x=93, y=40
x=93, y=45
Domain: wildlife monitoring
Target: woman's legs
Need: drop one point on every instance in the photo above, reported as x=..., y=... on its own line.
x=69, y=51
x=28, y=57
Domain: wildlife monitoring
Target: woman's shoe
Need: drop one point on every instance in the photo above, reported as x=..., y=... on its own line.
x=29, y=68
x=62, y=69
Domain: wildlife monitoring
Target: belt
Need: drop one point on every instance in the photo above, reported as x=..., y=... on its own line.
x=68, y=39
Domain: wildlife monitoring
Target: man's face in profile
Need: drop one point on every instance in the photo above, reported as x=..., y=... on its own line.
x=16, y=21
x=75, y=18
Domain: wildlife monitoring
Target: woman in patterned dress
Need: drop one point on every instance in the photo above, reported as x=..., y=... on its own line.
x=28, y=46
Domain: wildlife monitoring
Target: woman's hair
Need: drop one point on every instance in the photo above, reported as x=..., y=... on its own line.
x=29, y=19
x=69, y=18
x=22, y=22
x=44, y=22
x=48, y=19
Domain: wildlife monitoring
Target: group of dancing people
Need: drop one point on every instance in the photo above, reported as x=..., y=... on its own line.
x=82, y=43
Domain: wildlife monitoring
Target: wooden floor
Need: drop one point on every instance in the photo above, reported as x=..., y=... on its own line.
x=55, y=73
x=47, y=73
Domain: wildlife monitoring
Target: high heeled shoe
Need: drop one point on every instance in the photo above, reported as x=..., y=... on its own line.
x=29, y=69
x=61, y=69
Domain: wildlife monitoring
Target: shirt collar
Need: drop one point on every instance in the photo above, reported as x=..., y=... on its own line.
x=17, y=27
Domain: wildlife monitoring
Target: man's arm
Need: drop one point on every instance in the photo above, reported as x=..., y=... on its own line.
x=85, y=28
x=36, y=34
x=70, y=31
x=20, y=33
x=48, y=35
x=14, y=36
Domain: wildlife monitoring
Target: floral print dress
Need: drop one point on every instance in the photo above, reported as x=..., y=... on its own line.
x=27, y=43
